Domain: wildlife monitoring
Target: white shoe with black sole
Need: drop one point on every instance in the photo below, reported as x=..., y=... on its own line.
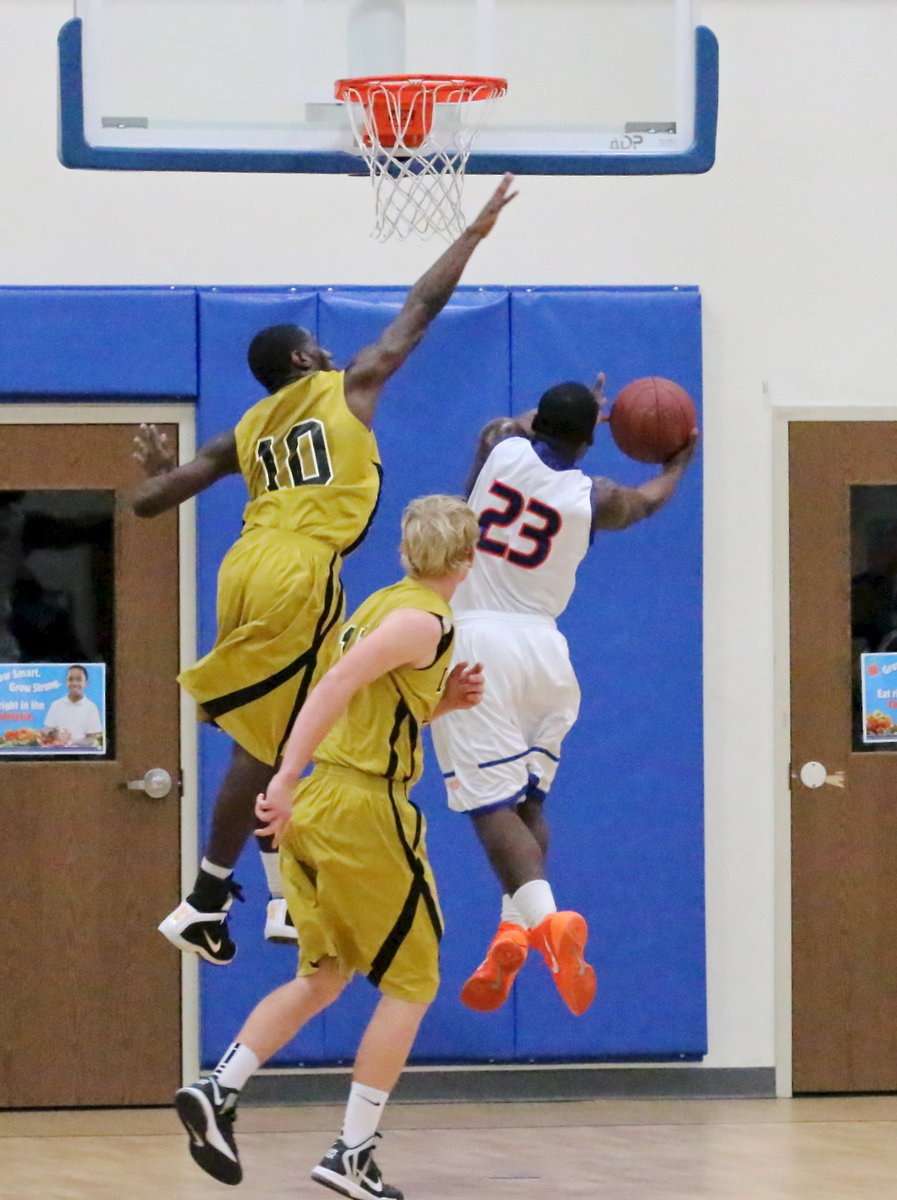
x=351, y=1171
x=207, y=1111
x=202, y=933
x=279, y=925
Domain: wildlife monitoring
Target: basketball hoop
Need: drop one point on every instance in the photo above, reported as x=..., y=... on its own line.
x=415, y=133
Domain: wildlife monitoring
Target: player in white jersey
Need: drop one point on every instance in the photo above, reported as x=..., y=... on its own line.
x=537, y=512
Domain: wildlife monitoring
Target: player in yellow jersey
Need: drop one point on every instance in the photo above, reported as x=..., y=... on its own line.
x=353, y=854
x=312, y=470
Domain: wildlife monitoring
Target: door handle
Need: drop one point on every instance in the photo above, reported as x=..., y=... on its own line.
x=814, y=775
x=156, y=783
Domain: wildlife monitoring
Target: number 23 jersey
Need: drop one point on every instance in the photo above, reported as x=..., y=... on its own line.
x=535, y=528
x=309, y=464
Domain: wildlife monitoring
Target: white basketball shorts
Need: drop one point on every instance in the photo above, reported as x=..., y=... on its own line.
x=492, y=755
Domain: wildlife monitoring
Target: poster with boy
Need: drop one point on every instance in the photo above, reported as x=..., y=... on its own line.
x=47, y=707
x=879, y=687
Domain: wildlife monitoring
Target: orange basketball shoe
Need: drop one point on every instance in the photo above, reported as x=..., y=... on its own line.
x=561, y=940
x=488, y=987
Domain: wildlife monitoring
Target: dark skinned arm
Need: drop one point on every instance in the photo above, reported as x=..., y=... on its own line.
x=615, y=506
x=493, y=433
x=168, y=484
x=370, y=369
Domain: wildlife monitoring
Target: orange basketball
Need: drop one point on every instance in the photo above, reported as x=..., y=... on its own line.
x=652, y=418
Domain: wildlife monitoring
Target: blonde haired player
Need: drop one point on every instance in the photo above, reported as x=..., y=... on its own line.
x=312, y=470
x=353, y=856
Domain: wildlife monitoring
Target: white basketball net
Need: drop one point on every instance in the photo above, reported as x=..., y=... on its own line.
x=415, y=135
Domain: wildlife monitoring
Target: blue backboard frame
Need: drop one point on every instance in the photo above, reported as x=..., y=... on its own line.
x=76, y=152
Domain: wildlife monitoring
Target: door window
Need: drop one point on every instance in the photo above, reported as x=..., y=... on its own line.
x=57, y=605
x=873, y=588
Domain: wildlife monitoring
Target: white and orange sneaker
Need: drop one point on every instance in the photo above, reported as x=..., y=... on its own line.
x=279, y=925
x=561, y=940
x=489, y=986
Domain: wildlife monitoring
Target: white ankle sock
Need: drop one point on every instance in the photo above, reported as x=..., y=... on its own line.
x=271, y=863
x=236, y=1065
x=211, y=868
x=510, y=912
x=535, y=902
x=363, y=1113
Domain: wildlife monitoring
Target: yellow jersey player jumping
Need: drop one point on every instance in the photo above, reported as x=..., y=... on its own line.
x=311, y=466
x=353, y=852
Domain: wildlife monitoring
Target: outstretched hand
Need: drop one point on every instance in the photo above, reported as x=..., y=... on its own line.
x=153, y=452
x=482, y=225
x=464, y=686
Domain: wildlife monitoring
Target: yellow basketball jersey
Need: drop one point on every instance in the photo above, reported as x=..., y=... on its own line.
x=309, y=463
x=380, y=731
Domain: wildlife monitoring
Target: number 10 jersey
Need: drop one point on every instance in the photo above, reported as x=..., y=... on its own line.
x=309, y=464
x=535, y=528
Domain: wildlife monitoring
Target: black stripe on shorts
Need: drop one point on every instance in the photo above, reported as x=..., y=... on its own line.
x=419, y=890
x=222, y=705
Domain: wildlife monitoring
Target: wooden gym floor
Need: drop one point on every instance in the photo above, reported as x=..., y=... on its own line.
x=832, y=1148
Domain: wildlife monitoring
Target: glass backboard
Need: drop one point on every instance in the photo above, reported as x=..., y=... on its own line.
x=594, y=86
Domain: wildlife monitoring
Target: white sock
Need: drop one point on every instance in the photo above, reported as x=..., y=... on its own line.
x=534, y=902
x=510, y=912
x=271, y=863
x=219, y=872
x=363, y=1113
x=236, y=1065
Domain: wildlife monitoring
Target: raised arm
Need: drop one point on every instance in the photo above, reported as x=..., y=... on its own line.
x=370, y=369
x=493, y=433
x=168, y=484
x=407, y=637
x=615, y=506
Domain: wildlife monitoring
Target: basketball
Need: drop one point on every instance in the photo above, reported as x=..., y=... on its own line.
x=652, y=418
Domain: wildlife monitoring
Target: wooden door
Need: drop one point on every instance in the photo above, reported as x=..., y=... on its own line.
x=844, y=840
x=90, y=999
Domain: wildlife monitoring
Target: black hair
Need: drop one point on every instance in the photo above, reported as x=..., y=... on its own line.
x=77, y=667
x=270, y=354
x=567, y=411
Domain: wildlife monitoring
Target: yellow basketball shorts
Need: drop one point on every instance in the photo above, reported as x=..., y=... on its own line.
x=358, y=884
x=280, y=605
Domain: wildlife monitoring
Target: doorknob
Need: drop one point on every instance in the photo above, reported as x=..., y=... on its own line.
x=156, y=783
x=814, y=775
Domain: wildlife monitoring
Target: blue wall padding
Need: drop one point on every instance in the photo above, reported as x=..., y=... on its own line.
x=626, y=812
x=427, y=424
x=129, y=342
x=228, y=320
x=626, y=809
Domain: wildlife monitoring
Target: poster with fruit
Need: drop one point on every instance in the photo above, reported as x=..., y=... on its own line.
x=879, y=686
x=52, y=708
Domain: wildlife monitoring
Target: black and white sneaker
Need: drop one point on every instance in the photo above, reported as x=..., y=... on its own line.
x=204, y=933
x=279, y=925
x=207, y=1112
x=353, y=1172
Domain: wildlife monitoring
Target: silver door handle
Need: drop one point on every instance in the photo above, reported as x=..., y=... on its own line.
x=156, y=783
x=814, y=775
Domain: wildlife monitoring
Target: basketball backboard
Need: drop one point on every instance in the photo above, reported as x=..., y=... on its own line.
x=594, y=86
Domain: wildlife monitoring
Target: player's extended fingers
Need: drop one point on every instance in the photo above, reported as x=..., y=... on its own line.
x=472, y=676
x=503, y=194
